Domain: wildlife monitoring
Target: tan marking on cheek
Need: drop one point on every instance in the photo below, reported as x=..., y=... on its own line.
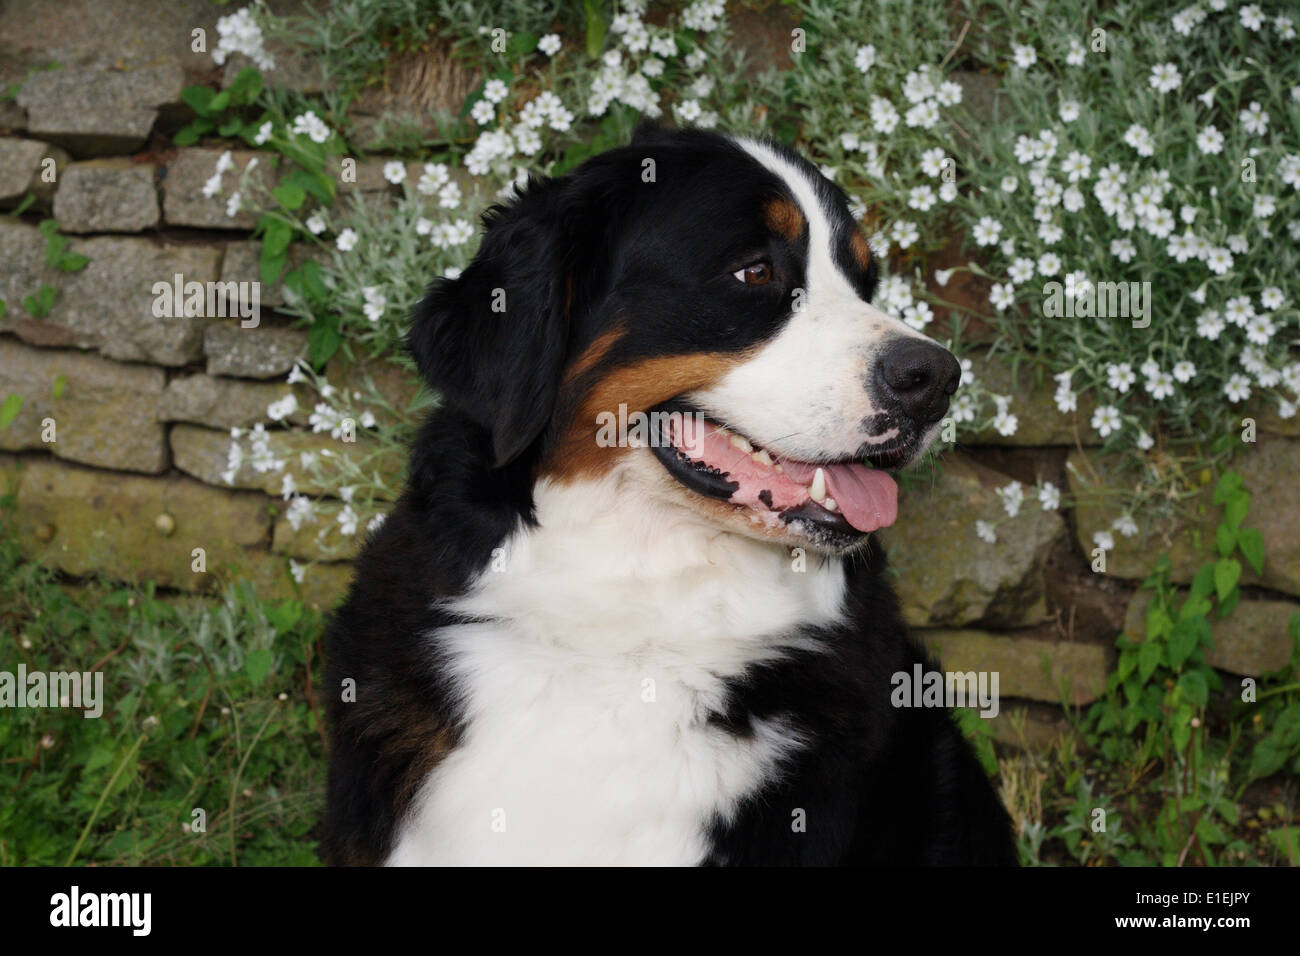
x=784, y=218
x=639, y=387
x=593, y=354
x=861, y=249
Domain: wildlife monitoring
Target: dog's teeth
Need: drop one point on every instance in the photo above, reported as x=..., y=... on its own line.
x=779, y=469
x=762, y=457
x=741, y=442
x=829, y=504
x=817, y=490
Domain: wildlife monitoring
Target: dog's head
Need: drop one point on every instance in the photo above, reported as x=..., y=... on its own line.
x=693, y=311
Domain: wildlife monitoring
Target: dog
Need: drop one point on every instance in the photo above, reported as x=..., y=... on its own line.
x=627, y=609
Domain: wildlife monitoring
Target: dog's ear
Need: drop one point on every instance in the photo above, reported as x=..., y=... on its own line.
x=493, y=341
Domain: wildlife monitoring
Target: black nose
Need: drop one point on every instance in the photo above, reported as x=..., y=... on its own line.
x=917, y=377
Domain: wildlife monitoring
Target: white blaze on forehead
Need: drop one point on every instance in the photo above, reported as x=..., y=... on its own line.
x=823, y=275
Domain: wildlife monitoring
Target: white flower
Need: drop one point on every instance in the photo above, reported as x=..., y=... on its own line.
x=1260, y=329
x=1023, y=56
x=1049, y=263
x=316, y=224
x=1209, y=140
x=1106, y=420
x=1009, y=184
x=986, y=532
x=483, y=112
x=1077, y=166
x=347, y=519
x=1120, y=377
x=282, y=408
x=905, y=233
x=312, y=126
x=298, y=571
x=986, y=231
x=1165, y=77
x=932, y=161
x=346, y=240
x=883, y=115
x=1238, y=310
x=1004, y=423
x=1125, y=525
x=1238, y=388
x=433, y=178
x=449, y=196
x=865, y=58
x=494, y=90
x=1013, y=496
x=687, y=110
x=1272, y=298
x=239, y=33
x=1140, y=139
x=1049, y=496
x=233, y=203
x=1078, y=53
x=1122, y=249
x=1209, y=325
x=1264, y=206
x=1069, y=111
x=1160, y=385
x=1218, y=260
x=375, y=523
x=550, y=44
x=949, y=93
x=1251, y=16
x=1253, y=119
x=375, y=303
x=921, y=198
x=1022, y=270
x=394, y=172
x=1104, y=540
x=948, y=192
x=1184, y=371
x=1002, y=296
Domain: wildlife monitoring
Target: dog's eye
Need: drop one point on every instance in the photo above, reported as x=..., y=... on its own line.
x=759, y=273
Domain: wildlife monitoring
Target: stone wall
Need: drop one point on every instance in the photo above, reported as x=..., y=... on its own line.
x=133, y=482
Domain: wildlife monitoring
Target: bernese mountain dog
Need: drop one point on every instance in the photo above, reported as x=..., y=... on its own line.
x=628, y=609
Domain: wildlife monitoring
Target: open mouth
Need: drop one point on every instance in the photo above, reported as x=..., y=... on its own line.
x=845, y=499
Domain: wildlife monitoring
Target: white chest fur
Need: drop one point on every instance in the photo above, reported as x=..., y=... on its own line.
x=604, y=639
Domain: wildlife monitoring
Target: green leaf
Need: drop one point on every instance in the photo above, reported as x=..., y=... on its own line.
x=230, y=127
x=289, y=196
x=247, y=85
x=1229, y=484
x=188, y=136
x=198, y=98
x=60, y=385
x=596, y=26
x=9, y=410
x=1234, y=512
x=323, y=340
x=271, y=265
x=523, y=43
x=258, y=664
x=1202, y=584
x=1227, y=572
x=313, y=283
x=3, y=307
x=219, y=103
x=72, y=262
x=1149, y=655
x=1185, y=639
x=1225, y=540
x=277, y=237
x=1195, y=688
x=1229, y=604
x=1251, y=542
x=49, y=228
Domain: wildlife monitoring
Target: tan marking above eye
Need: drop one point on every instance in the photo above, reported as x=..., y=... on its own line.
x=784, y=218
x=861, y=249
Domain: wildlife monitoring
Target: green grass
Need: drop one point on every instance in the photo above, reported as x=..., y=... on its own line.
x=206, y=706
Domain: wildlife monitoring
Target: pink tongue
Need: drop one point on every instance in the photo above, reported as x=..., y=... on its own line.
x=867, y=498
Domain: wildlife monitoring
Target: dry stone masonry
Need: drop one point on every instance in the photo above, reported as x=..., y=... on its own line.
x=143, y=405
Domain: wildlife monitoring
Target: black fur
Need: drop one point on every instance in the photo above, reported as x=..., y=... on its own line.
x=572, y=256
